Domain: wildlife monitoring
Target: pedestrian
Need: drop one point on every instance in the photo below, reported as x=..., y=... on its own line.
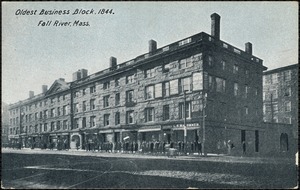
x=199, y=148
x=219, y=147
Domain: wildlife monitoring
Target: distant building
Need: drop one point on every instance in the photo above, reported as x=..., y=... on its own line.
x=4, y=123
x=157, y=96
x=280, y=95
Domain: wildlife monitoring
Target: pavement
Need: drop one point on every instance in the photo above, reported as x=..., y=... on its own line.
x=209, y=157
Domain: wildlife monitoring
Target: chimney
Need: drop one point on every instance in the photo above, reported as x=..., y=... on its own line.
x=84, y=73
x=31, y=94
x=61, y=79
x=76, y=75
x=248, y=48
x=152, y=46
x=215, y=26
x=44, y=88
x=112, y=62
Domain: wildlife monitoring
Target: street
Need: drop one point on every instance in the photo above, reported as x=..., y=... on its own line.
x=50, y=170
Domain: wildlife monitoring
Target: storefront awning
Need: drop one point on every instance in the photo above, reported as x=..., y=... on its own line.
x=149, y=128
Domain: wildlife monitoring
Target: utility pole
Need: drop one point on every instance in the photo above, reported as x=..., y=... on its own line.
x=204, y=106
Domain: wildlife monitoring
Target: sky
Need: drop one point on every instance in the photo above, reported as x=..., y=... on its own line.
x=35, y=55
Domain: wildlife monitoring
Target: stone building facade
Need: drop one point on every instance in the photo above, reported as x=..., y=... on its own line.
x=196, y=89
x=280, y=96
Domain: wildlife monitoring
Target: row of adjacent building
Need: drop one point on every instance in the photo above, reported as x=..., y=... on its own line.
x=197, y=89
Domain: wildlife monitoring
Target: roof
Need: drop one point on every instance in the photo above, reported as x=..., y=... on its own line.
x=280, y=69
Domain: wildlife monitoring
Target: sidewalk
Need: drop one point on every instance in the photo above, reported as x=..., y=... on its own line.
x=209, y=157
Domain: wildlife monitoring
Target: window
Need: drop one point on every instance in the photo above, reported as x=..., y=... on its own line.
x=58, y=111
x=83, y=122
x=210, y=61
x=76, y=123
x=246, y=110
x=58, y=125
x=166, y=89
x=287, y=120
x=287, y=106
x=117, y=99
x=187, y=113
x=117, y=82
x=41, y=128
x=247, y=72
x=45, y=103
x=185, y=84
x=92, y=121
x=45, y=127
x=65, y=124
x=129, y=117
x=220, y=84
x=106, y=119
x=211, y=83
x=149, y=92
x=186, y=41
x=52, y=101
x=52, y=126
x=35, y=116
x=41, y=115
x=106, y=85
x=287, y=91
x=223, y=63
x=287, y=75
x=130, y=79
x=236, y=89
x=84, y=106
x=76, y=107
x=64, y=97
x=166, y=112
x=65, y=111
x=76, y=94
x=106, y=101
x=129, y=96
x=274, y=78
x=92, y=89
x=246, y=91
x=92, y=104
x=150, y=73
x=117, y=118
x=45, y=114
x=235, y=69
x=83, y=92
x=185, y=63
x=149, y=114
x=52, y=112
x=274, y=94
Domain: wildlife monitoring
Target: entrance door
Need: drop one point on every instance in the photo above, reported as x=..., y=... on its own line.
x=284, y=143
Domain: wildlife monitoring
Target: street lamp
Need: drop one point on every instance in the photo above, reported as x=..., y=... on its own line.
x=202, y=108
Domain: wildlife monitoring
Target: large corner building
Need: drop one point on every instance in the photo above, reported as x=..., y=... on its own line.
x=196, y=89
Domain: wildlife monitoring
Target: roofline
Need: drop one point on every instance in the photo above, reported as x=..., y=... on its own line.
x=294, y=66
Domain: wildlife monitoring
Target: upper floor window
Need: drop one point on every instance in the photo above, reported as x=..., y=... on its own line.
x=65, y=124
x=58, y=100
x=130, y=79
x=117, y=99
x=288, y=91
x=58, y=111
x=76, y=121
x=92, y=104
x=76, y=107
x=92, y=121
x=65, y=111
x=287, y=106
x=236, y=89
x=223, y=63
x=53, y=112
x=117, y=82
x=150, y=73
x=52, y=101
x=274, y=78
x=235, y=68
x=106, y=119
x=210, y=61
x=117, y=118
x=84, y=106
x=287, y=75
x=211, y=83
x=166, y=89
x=106, y=85
x=83, y=91
x=246, y=91
x=106, y=101
x=187, y=113
x=130, y=117
x=58, y=125
x=166, y=112
x=129, y=96
x=76, y=94
x=84, y=122
x=92, y=89
x=149, y=92
x=185, y=63
x=149, y=114
x=220, y=84
x=185, y=84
